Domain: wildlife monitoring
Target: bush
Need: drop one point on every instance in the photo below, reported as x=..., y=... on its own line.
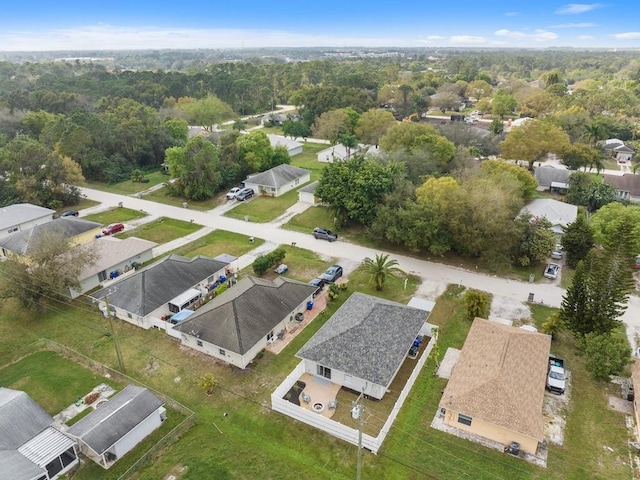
x=477, y=304
x=265, y=262
x=606, y=354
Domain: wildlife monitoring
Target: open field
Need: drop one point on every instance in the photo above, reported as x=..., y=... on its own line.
x=127, y=187
x=162, y=230
x=115, y=215
x=161, y=196
x=217, y=243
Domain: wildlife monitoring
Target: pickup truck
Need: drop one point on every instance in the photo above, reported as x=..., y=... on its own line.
x=556, y=375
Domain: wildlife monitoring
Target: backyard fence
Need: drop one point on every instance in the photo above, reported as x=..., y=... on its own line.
x=348, y=434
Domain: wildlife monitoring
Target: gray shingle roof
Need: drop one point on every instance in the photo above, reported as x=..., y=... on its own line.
x=277, y=176
x=309, y=188
x=111, y=251
x=628, y=182
x=547, y=174
x=21, y=213
x=368, y=338
x=15, y=466
x=21, y=418
x=558, y=213
x=114, y=419
x=153, y=286
x=246, y=313
x=70, y=227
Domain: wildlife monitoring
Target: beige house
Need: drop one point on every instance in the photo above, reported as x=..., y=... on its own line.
x=278, y=180
x=496, y=390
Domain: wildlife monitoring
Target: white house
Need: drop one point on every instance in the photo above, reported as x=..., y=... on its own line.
x=146, y=297
x=364, y=344
x=560, y=214
x=306, y=194
x=237, y=325
x=112, y=255
x=616, y=148
x=117, y=426
x=337, y=152
x=30, y=447
x=277, y=180
x=293, y=147
x=22, y=216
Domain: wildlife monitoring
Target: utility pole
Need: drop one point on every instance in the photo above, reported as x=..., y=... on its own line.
x=116, y=341
x=357, y=412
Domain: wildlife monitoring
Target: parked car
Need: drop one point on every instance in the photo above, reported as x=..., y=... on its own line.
x=113, y=228
x=557, y=252
x=556, y=375
x=245, y=194
x=231, y=194
x=551, y=271
x=324, y=234
x=319, y=283
x=333, y=273
x=282, y=268
x=70, y=213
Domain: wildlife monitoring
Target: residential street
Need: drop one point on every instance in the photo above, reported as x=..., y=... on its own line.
x=435, y=276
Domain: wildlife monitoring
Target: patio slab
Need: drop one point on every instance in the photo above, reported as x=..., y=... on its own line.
x=320, y=391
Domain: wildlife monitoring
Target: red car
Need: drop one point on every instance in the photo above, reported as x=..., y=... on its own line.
x=113, y=228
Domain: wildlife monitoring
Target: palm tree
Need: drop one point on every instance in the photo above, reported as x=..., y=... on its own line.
x=381, y=268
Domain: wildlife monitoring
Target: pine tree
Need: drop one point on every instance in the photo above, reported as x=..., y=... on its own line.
x=577, y=240
x=574, y=302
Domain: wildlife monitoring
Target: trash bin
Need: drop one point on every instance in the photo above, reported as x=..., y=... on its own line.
x=246, y=218
x=530, y=300
x=185, y=205
x=532, y=277
x=309, y=305
x=119, y=204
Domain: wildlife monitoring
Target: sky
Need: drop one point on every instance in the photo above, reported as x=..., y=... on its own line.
x=45, y=25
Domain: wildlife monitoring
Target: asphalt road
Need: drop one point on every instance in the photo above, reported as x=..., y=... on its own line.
x=435, y=276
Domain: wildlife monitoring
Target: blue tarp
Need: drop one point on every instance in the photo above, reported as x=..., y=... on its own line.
x=181, y=315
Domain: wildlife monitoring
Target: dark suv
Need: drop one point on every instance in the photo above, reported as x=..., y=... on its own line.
x=244, y=194
x=324, y=234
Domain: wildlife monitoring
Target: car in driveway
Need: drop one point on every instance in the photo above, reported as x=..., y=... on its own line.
x=551, y=271
x=70, y=213
x=231, y=194
x=557, y=252
x=113, y=228
x=320, y=233
x=245, y=194
x=333, y=273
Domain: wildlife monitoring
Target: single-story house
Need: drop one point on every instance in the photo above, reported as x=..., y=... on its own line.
x=146, y=297
x=337, y=152
x=635, y=379
x=277, y=180
x=306, y=194
x=118, y=425
x=628, y=185
x=560, y=214
x=293, y=147
x=364, y=343
x=616, y=148
x=112, y=255
x=30, y=447
x=22, y=216
x=552, y=178
x=279, y=118
x=496, y=389
x=76, y=230
x=236, y=326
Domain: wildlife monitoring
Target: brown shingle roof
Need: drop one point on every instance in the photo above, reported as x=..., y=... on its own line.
x=500, y=377
x=629, y=182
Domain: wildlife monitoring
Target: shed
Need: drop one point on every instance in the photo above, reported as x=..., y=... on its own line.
x=306, y=194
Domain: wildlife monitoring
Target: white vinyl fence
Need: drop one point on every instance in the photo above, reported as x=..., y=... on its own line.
x=279, y=404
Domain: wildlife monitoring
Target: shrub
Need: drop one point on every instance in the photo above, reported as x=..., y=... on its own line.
x=265, y=262
x=477, y=304
x=92, y=397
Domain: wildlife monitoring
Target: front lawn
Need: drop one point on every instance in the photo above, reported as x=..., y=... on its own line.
x=217, y=243
x=161, y=196
x=308, y=159
x=162, y=230
x=127, y=187
x=264, y=209
x=115, y=215
x=302, y=264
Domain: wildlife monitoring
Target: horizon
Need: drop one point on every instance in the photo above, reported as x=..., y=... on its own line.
x=41, y=26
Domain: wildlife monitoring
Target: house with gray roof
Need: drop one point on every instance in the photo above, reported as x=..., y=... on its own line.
x=364, y=343
x=560, y=214
x=627, y=184
x=22, y=216
x=293, y=147
x=616, y=148
x=237, y=325
x=30, y=447
x=118, y=425
x=307, y=194
x=113, y=257
x=147, y=296
x=76, y=230
x=277, y=180
x=553, y=178
x=337, y=153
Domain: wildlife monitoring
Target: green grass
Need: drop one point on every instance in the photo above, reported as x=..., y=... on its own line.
x=309, y=159
x=52, y=380
x=303, y=264
x=567, y=276
x=115, y=215
x=161, y=196
x=128, y=187
x=217, y=243
x=162, y=230
x=264, y=209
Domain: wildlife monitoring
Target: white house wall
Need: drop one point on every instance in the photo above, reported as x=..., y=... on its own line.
x=4, y=233
x=136, y=435
x=345, y=380
x=276, y=192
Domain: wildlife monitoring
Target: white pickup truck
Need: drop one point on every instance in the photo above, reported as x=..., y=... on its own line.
x=556, y=375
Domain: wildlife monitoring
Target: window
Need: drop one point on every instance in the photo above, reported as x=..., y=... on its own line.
x=129, y=315
x=210, y=279
x=12, y=229
x=102, y=276
x=270, y=335
x=324, y=371
x=464, y=419
x=222, y=352
x=199, y=343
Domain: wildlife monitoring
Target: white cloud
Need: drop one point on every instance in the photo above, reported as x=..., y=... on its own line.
x=466, y=39
x=435, y=37
x=576, y=8
x=511, y=14
x=573, y=25
x=585, y=37
x=627, y=36
x=536, y=36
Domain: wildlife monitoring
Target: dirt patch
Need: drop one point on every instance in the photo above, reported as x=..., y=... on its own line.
x=448, y=362
x=554, y=410
x=506, y=308
x=293, y=395
x=175, y=473
x=620, y=405
x=430, y=289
